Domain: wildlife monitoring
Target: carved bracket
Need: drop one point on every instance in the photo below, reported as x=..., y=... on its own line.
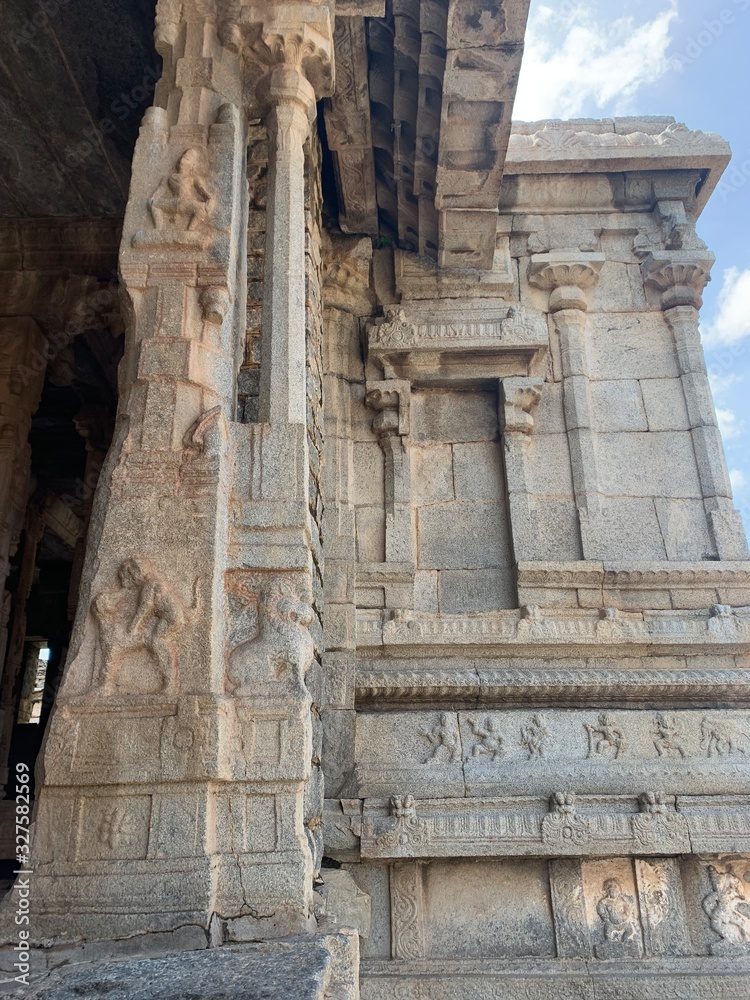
x=392, y=399
x=678, y=277
x=520, y=398
x=566, y=276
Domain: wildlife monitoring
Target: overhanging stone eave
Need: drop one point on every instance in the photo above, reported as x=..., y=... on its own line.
x=562, y=147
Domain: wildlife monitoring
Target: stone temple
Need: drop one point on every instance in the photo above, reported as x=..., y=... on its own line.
x=376, y=614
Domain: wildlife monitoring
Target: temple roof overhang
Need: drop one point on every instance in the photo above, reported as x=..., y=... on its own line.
x=418, y=125
x=420, y=121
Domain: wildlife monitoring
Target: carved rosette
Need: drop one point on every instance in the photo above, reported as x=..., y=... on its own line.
x=395, y=331
x=657, y=825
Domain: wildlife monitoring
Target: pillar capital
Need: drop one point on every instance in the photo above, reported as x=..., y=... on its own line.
x=678, y=277
x=288, y=50
x=567, y=276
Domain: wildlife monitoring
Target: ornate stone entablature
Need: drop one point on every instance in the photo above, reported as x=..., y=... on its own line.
x=616, y=145
x=493, y=827
x=436, y=346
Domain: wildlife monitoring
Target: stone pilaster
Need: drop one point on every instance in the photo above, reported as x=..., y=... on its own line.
x=677, y=278
x=519, y=400
x=346, y=296
x=568, y=277
x=391, y=399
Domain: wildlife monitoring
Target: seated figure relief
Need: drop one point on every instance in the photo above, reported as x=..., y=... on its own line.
x=141, y=614
x=617, y=912
x=181, y=206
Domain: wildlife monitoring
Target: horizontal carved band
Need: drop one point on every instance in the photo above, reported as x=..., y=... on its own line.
x=594, y=826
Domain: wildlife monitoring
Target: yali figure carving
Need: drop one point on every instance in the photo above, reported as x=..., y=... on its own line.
x=282, y=650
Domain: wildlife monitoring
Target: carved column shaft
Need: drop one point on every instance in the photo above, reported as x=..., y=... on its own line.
x=679, y=279
x=283, y=371
x=143, y=743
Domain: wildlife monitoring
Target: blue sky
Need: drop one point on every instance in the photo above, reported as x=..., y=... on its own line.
x=687, y=58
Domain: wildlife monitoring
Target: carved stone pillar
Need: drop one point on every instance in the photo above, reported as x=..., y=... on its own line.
x=292, y=46
x=519, y=399
x=131, y=832
x=14, y=662
x=677, y=279
x=346, y=296
x=23, y=362
x=568, y=277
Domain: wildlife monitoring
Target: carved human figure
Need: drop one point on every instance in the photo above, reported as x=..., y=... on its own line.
x=182, y=201
x=442, y=737
x=727, y=908
x=667, y=737
x=142, y=613
x=535, y=737
x=487, y=739
x=282, y=649
x=617, y=912
x=605, y=738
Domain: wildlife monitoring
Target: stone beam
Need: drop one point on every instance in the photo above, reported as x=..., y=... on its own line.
x=348, y=129
x=484, y=48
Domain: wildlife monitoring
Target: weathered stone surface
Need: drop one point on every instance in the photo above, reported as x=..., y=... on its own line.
x=300, y=969
x=445, y=525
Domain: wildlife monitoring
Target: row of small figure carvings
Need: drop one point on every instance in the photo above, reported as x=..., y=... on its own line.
x=719, y=737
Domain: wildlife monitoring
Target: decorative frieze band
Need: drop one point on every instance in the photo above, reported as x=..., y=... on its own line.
x=721, y=627
x=652, y=825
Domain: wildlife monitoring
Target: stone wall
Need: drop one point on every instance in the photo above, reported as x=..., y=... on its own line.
x=552, y=595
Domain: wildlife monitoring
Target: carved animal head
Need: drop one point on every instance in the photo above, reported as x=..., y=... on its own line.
x=134, y=571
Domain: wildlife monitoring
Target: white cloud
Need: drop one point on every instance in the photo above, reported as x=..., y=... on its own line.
x=721, y=382
x=732, y=322
x=738, y=480
x=729, y=425
x=574, y=60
